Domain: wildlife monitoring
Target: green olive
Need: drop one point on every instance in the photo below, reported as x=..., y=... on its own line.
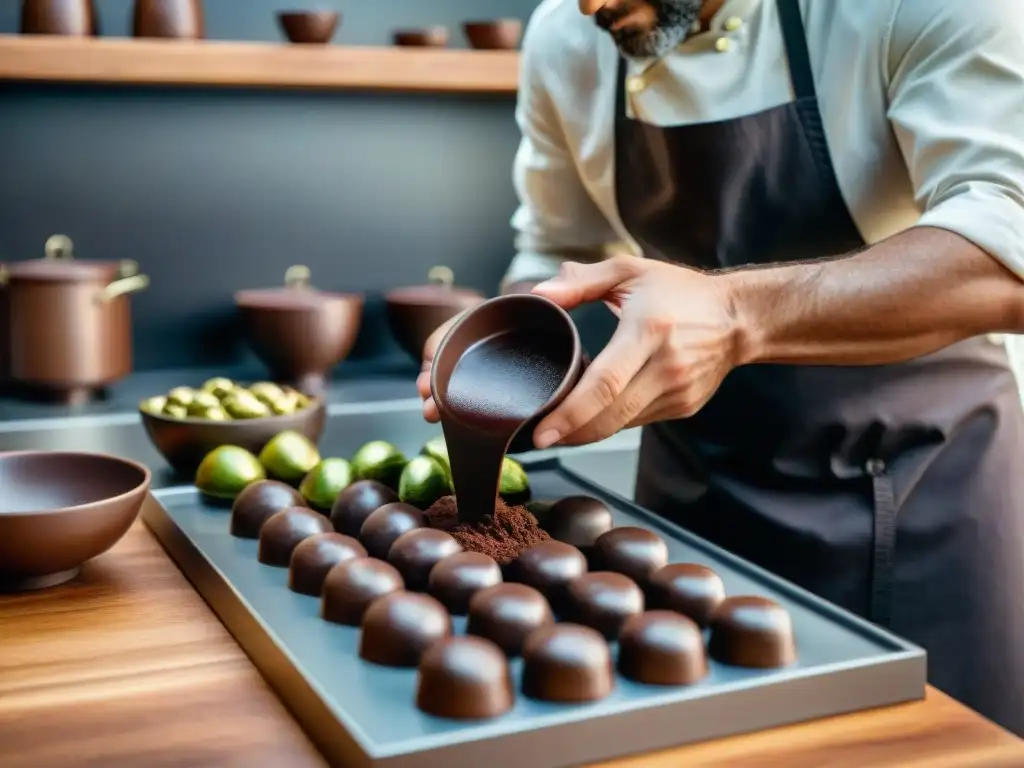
x=175, y=411
x=266, y=391
x=286, y=403
x=219, y=386
x=154, y=405
x=244, y=405
x=181, y=396
x=202, y=402
x=216, y=413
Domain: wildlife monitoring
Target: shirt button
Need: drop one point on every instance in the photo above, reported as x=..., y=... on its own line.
x=635, y=83
x=723, y=44
x=733, y=23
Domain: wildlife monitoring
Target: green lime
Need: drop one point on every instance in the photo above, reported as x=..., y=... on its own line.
x=324, y=482
x=289, y=456
x=423, y=482
x=515, y=484
x=381, y=461
x=437, y=449
x=226, y=471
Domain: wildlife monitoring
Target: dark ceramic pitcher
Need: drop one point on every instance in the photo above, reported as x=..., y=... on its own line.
x=59, y=17
x=178, y=19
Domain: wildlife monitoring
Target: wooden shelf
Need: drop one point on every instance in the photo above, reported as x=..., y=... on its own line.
x=255, y=65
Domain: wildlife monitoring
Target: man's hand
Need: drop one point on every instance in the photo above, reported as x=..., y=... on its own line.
x=678, y=337
x=423, y=380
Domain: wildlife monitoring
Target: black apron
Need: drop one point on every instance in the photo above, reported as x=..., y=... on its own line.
x=893, y=491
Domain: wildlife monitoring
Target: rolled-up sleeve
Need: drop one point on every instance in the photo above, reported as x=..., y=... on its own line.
x=956, y=96
x=556, y=218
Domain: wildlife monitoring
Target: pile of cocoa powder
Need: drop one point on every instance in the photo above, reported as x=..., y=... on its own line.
x=502, y=536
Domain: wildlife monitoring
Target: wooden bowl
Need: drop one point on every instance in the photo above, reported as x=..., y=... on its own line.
x=309, y=26
x=429, y=37
x=496, y=35
x=59, y=509
x=298, y=332
x=185, y=442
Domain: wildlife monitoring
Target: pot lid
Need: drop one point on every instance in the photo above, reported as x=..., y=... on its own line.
x=297, y=292
x=59, y=264
x=440, y=289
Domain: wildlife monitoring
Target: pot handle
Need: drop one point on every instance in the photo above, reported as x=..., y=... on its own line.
x=122, y=287
x=59, y=248
x=442, y=276
x=297, y=277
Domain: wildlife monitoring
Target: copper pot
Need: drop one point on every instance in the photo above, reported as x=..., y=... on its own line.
x=415, y=312
x=70, y=321
x=76, y=18
x=178, y=19
x=298, y=332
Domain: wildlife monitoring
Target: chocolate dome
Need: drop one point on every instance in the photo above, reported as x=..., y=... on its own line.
x=416, y=552
x=398, y=629
x=567, y=663
x=603, y=601
x=578, y=520
x=631, y=551
x=458, y=577
x=385, y=524
x=464, y=678
x=257, y=503
x=662, y=648
x=687, y=588
x=506, y=614
x=314, y=557
x=283, y=532
x=357, y=502
x=352, y=585
x=752, y=632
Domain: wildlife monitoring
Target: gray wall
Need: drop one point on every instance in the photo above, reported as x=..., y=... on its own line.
x=214, y=190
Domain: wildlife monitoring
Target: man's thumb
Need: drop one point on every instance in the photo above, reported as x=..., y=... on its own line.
x=578, y=283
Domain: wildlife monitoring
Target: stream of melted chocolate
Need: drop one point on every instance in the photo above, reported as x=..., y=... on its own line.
x=497, y=385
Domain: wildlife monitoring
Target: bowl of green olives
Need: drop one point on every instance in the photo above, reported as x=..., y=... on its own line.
x=186, y=423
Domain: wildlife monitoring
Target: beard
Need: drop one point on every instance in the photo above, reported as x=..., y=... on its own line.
x=673, y=20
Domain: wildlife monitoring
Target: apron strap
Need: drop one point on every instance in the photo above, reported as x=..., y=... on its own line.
x=799, y=58
x=883, y=560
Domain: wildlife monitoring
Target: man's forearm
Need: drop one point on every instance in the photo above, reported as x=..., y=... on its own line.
x=913, y=294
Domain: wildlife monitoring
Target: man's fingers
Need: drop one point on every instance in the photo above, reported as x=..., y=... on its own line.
x=423, y=384
x=600, y=386
x=578, y=284
x=430, y=412
x=636, y=399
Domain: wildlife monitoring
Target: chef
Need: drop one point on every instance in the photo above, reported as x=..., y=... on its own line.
x=829, y=196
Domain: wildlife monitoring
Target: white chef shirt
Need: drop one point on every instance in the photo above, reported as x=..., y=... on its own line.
x=922, y=103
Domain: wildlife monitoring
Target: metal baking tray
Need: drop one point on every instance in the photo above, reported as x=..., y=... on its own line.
x=359, y=714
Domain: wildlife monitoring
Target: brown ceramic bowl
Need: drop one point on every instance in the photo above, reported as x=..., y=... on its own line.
x=415, y=312
x=309, y=26
x=429, y=37
x=504, y=314
x=185, y=442
x=496, y=35
x=60, y=509
x=298, y=332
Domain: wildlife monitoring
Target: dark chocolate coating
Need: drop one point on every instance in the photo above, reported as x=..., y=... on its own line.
x=383, y=527
x=631, y=551
x=604, y=600
x=549, y=567
x=662, y=648
x=458, y=577
x=752, y=632
x=687, y=588
x=283, y=532
x=259, y=502
x=567, y=663
x=506, y=614
x=313, y=559
x=578, y=520
x=464, y=678
x=352, y=585
x=358, y=502
x=400, y=627
x=416, y=552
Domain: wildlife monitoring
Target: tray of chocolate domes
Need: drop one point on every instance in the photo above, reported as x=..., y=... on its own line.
x=612, y=632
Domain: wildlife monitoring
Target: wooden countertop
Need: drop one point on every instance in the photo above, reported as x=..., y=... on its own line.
x=126, y=666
